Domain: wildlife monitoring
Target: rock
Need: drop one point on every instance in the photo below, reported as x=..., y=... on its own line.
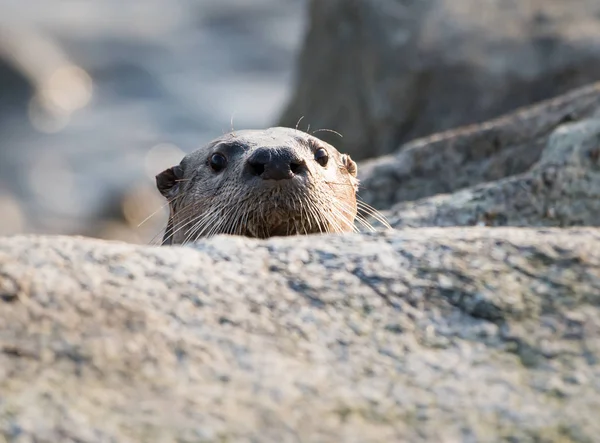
x=16, y=91
x=469, y=156
x=383, y=72
x=561, y=189
x=456, y=334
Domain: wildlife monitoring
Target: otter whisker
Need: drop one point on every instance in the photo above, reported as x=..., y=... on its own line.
x=207, y=222
x=242, y=210
x=322, y=217
x=183, y=224
x=200, y=230
x=350, y=211
x=180, y=226
x=313, y=216
x=190, y=208
x=222, y=221
x=333, y=220
x=303, y=219
x=236, y=229
x=365, y=223
x=339, y=184
x=159, y=209
x=334, y=224
x=198, y=222
x=201, y=224
x=341, y=209
x=328, y=130
x=166, y=235
x=242, y=222
x=229, y=227
x=370, y=210
x=317, y=216
x=152, y=215
x=212, y=227
x=227, y=217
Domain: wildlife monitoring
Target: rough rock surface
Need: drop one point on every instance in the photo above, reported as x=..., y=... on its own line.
x=459, y=334
x=561, y=189
x=468, y=156
x=383, y=72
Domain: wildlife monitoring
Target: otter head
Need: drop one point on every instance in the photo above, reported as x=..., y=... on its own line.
x=256, y=183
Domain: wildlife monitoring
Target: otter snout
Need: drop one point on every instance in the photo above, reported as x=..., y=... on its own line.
x=260, y=183
x=275, y=164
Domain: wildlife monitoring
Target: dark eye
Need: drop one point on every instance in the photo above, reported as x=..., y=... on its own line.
x=321, y=157
x=217, y=162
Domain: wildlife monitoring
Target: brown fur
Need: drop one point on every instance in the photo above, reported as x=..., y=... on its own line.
x=204, y=202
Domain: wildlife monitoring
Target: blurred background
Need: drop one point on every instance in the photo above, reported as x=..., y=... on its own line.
x=96, y=97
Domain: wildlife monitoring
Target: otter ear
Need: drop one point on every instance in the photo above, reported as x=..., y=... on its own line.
x=349, y=164
x=168, y=181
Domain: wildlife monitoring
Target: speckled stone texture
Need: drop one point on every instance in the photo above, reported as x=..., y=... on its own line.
x=430, y=334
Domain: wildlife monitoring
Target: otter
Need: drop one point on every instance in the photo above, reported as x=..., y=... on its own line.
x=260, y=183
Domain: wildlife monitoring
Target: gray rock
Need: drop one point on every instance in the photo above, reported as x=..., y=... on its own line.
x=469, y=156
x=562, y=189
x=383, y=72
x=461, y=334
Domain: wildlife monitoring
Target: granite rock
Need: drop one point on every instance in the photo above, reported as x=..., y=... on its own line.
x=430, y=334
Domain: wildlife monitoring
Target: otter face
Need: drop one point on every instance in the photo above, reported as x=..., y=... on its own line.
x=275, y=182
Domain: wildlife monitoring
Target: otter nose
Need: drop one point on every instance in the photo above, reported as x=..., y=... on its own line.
x=275, y=164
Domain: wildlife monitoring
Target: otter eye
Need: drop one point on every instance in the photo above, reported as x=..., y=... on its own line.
x=217, y=162
x=321, y=157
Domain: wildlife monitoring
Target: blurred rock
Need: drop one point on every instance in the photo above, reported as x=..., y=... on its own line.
x=459, y=334
x=468, y=156
x=15, y=89
x=383, y=72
